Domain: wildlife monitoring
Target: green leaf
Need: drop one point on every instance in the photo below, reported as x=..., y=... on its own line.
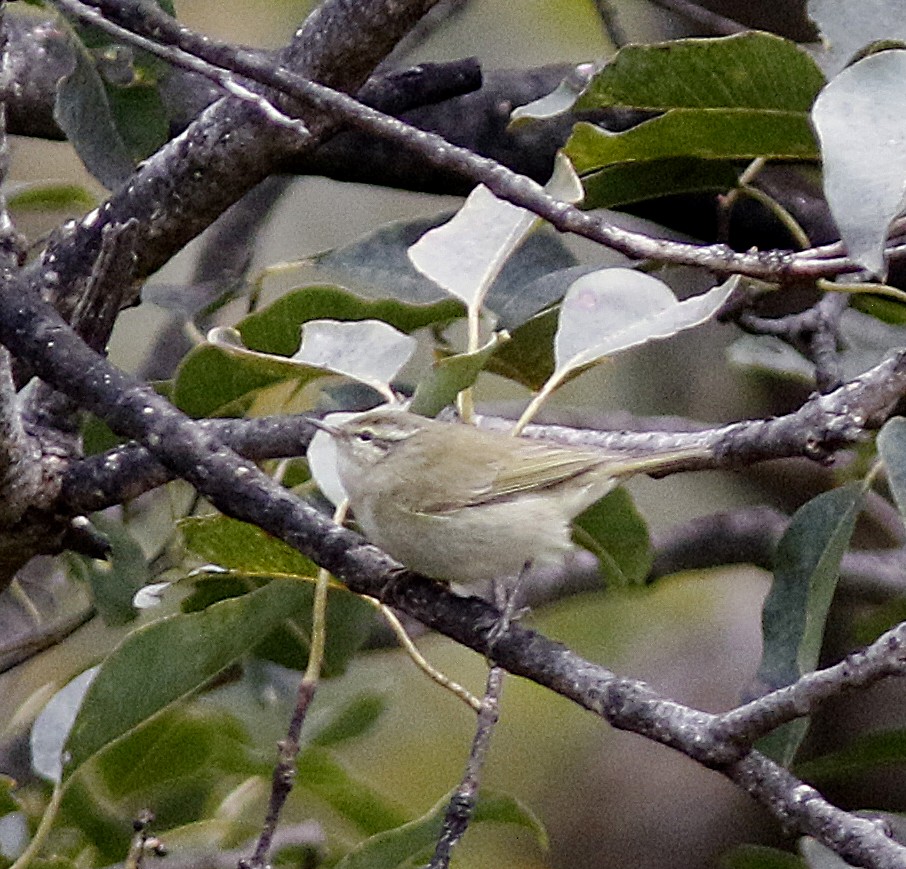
x=859, y=118
x=616, y=533
x=355, y=802
x=866, y=752
x=255, y=557
x=8, y=803
x=349, y=619
x=97, y=437
x=354, y=719
x=114, y=582
x=199, y=741
x=212, y=379
x=49, y=196
x=109, y=106
x=416, y=840
x=750, y=70
x=377, y=267
x=210, y=588
x=625, y=183
x=83, y=111
x=243, y=547
x=892, y=450
x=528, y=357
x=807, y=566
x=724, y=100
x=704, y=134
x=164, y=661
x=450, y=375
x=278, y=327
x=885, y=310
x=288, y=644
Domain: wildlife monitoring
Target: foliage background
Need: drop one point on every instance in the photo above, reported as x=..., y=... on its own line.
x=607, y=797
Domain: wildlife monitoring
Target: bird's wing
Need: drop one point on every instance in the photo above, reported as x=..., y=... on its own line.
x=539, y=467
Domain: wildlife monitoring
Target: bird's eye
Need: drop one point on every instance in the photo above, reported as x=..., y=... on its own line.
x=365, y=435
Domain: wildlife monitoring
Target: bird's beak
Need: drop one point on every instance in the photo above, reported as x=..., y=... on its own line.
x=326, y=427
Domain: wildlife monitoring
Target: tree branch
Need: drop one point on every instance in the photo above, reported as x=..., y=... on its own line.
x=775, y=266
x=182, y=188
x=32, y=330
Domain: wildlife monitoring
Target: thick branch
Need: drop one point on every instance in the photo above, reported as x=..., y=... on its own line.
x=825, y=423
x=34, y=332
x=776, y=266
x=182, y=188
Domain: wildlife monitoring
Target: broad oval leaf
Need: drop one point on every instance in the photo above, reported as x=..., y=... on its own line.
x=747, y=71
x=850, y=25
x=416, y=840
x=319, y=772
x=558, y=101
x=702, y=134
x=615, y=532
x=807, y=566
x=188, y=742
x=84, y=113
x=450, y=375
x=724, y=100
x=52, y=727
x=466, y=254
x=120, y=577
x=164, y=661
x=217, y=377
x=50, y=196
x=276, y=327
x=109, y=106
x=369, y=351
x=243, y=547
x=377, y=267
x=860, y=118
x=354, y=719
x=892, y=449
x=613, y=310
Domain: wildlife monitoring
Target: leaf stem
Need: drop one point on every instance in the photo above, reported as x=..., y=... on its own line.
x=47, y=819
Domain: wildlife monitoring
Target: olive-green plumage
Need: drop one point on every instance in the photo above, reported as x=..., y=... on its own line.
x=463, y=504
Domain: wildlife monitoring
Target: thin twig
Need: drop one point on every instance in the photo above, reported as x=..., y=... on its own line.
x=210, y=58
x=240, y=490
x=284, y=774
x=884, y=657
x=423, y=664
x=823, y=424
x=462, y=803
x=815, y=333
x=710, y=22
